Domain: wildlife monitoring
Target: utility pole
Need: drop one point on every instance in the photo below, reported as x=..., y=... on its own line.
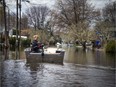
x=17, y=29
x=114, y=4
x=8, y=24
x=6, y=31
x=1, y=24
x=20, y=28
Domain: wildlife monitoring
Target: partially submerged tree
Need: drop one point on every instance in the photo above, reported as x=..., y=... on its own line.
x=75, y=17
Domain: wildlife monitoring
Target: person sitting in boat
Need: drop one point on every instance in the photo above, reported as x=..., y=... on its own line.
x=40, y=46
x=35, y=47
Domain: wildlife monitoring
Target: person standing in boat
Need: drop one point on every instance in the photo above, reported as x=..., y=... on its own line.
x=35, y=47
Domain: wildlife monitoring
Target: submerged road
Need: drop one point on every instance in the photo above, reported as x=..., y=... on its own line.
x=80, y=69
x=18, y=73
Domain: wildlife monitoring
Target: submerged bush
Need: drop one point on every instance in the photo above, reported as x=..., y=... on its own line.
x=111, y=46
x=25, y=42
x=12, y=41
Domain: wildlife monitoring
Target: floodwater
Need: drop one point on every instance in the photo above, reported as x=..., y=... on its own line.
x=80, y=69
x=97, y=58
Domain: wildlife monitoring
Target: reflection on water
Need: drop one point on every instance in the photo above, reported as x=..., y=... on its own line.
x=89, y=57
x=75, y=72
x=21, y=74
x=12, y=55
x=78, y=56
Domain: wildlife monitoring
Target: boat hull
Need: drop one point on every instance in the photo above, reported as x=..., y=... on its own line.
x=47, y=57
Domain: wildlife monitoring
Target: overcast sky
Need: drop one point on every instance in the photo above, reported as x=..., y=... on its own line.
x=50, y=3
x=100, y=3
x=12, y=4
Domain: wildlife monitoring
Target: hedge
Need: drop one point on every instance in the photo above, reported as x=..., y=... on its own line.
x=111, y=46
x=24, y=42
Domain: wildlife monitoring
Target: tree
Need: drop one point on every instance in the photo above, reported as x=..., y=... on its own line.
x=41, y=18
x=109, y=12
x=75, y=17
x=1, y=17
x=38, y=16
x=12, y=20
x=107, y=23
x=24, y=22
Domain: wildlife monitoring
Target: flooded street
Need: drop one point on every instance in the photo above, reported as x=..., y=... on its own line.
x=80, y=69
x=57, y=43
x=97, y=58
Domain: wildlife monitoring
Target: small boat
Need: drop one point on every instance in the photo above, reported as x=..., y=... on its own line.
x=50, y=55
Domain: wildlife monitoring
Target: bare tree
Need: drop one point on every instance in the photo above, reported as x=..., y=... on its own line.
x=109, y=13
x=38, y=16
x=106, y=26
x=75, y=17
x=1, y=16
x=24, y=22
x=12, y=20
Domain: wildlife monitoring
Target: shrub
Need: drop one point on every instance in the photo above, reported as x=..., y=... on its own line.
x=25, y=42
x=12, y=41
x=111, y=46
x=14, y=32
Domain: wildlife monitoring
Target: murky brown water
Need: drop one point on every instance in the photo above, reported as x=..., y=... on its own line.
x=80, y=69
x=96, y=58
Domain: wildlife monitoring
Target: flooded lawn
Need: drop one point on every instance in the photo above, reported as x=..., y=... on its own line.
x=80, y=69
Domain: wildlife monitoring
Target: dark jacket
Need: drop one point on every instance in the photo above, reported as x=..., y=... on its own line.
x=35, y=46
